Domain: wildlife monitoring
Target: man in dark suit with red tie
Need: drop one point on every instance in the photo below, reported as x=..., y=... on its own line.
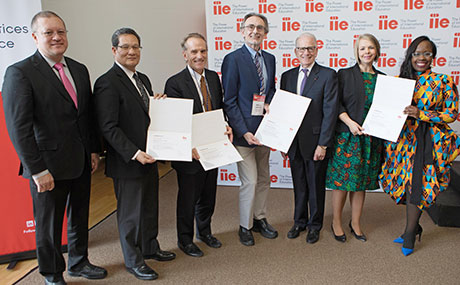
x=197, y=187
x=122, y=102
x=308, y=152
x=49, y=116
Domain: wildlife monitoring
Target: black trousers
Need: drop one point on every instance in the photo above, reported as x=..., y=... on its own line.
x=196, y=199
x=49, y=208
x=309, y=179
x=137, y=216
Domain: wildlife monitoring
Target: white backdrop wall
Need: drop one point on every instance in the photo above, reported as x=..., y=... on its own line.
x=336, y=25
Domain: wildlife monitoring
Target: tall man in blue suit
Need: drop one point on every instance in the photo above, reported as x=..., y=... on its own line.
x=248, y=78
x=308, y=152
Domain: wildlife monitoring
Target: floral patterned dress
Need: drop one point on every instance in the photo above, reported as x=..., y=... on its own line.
x=437, y=98
x=357, y=160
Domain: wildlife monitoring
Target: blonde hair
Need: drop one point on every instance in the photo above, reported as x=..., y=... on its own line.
x=370, y=38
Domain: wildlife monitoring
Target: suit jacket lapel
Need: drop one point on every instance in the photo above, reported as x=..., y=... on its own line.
x=358, y=78
x=44, y=68
x=312, y=77
x=130, y=86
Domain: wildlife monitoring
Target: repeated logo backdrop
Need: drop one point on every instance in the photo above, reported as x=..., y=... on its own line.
x=336, y=24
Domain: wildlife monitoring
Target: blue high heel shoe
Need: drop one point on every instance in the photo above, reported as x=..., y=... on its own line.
x=406, y=251
x=418, y=233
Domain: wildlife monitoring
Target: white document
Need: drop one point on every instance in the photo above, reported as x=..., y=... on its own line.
x=279, y=127
x=170, y=132
x=391, y=96
x=209, y=139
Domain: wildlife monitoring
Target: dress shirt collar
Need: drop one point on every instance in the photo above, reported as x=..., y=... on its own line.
x=253, y=51
x=195, y=74
x=308, y=67
x=52, y=62
x=128, y=72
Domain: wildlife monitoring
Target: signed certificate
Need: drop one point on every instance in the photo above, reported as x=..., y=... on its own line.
x=209, y=139
x=391, y=96
x=279, y=127
x=170, y=132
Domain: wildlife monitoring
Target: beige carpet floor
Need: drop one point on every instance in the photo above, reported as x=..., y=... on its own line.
x=436, y=259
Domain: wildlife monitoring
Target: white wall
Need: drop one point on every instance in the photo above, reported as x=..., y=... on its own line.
x=161, y=25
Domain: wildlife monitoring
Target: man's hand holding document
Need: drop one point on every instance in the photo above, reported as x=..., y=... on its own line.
x=280, y=125
x=211, y=142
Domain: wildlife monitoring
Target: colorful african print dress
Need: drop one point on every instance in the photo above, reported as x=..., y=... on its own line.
x=357, y=160
x=437, y=98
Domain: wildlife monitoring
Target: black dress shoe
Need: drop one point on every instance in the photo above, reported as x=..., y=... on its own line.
x=210, y=241
x=246, y=237
x=55, y=281
x=191, y=249
x=161, y=255
x=342, y=238
x=295, y=231
x=264, y=228
x=358, y=237
x=88, y=271
x=312, y=236
x=143, y=272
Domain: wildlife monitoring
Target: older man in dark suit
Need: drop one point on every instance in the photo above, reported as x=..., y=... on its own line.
x=122, y=102
x=47, y=103
x=308, y=152
x=197, y=187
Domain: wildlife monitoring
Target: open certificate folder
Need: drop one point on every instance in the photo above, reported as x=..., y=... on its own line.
x=170, y=132
x=279, y=127
x=385, y=118
x=211, y=142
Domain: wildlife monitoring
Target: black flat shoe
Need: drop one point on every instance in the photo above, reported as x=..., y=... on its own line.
x=161, y=255
x=143, y=272
x=295, y=231
x=191, y=249
x=341, y=238
x=264, y=228
x=246, y=237
x=312, y=236
x=358, y=237
x=210, y=241
x=88, y=271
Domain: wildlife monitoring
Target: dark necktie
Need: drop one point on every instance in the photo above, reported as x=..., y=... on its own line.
x=67, y=85
x=260, y=72
x=204, y=92
x=141, y=88
x=304, y=80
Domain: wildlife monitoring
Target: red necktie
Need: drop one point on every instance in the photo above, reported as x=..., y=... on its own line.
x=68, y=86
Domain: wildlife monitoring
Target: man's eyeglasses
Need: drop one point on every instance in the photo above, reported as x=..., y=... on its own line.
x=424, y=54
x=304, y=49
x=128, y=47
x=252, y=27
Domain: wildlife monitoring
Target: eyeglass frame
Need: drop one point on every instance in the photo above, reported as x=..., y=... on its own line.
x=310, y=49
x=426, y=54
x=128, y=47
x=252, y=27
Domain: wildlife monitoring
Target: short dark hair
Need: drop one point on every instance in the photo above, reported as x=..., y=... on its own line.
x=43, y=14
x=407, y=70
x=192, y=35
x=123, y=31
x=256, y=15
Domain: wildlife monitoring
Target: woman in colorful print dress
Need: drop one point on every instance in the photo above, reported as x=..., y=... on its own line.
x=417, y=166
x=357, y=158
